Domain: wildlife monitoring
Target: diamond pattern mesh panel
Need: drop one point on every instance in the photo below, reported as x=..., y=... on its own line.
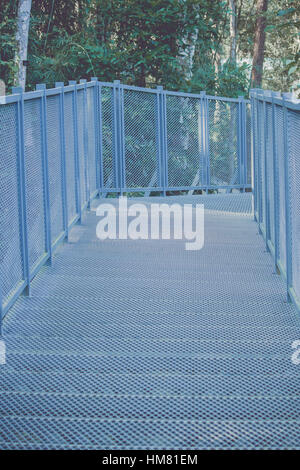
x=91, y=104
x=223, y=125
x=34, y=181
x=107, y=137
x=184, y=141
x=55, y=166
x=140, y=139
x=270, y=170
x=81, y=147
x=70, y=155
x=294, y=188
x=11, y=265
x=281, y=186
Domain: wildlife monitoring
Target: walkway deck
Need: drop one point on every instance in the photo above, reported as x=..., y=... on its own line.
x=141, y=344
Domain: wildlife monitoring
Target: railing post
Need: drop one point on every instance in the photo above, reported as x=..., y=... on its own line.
x=86, y=143
x=116, y=139
x=267, y=201
x=253, y=154
x=288, y=219
x=22, y=193
x=242, y=142
x=275, y=184
x=42, y=87
x=206, y=133
x=76, y=150
x=161, y=140
x=98, y=133
x=60, y=85
x=122, y=138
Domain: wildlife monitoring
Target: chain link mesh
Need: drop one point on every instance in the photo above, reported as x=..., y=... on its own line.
x=11, y=265
x=81, y=147
x=185, y=141
x=70, y=155
x=92, y=163
x=140, y=127
x=107, y=137
x=293, y=126
x=223, y=135
x=270, y=171
x=281, y=184
x=34, y=181
x=55, y=167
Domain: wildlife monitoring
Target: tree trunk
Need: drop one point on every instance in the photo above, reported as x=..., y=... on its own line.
x=233, y=31
x=24, y=9
x=259, y=44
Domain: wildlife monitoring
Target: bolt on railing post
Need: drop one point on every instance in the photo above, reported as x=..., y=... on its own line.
x=275, y=185
x=98, y=133
x=86, y=143
x=60, y=85
x=288, y=219
x=22, y=186
x=76, y=149
x=42, y=87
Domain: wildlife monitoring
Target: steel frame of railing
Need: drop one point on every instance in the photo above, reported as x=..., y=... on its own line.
x=261, y=131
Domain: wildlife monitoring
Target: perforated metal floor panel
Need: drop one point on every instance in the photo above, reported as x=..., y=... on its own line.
x=143, y=345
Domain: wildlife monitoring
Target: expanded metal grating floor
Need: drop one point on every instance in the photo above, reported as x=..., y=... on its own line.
x=141, y=344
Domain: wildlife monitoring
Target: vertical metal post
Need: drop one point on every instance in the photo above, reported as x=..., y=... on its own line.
x=259, y=160
x=275, y=184
x=253, y=152
x=165, y=138
x=288, y=219
x=242, y=141
x=122, y=138
x=161, y=139
x=22, y=186
x=266, y=158
x=158, y=137
x=207, y=152
x=98, y=133
x=116, y=133
x=86, y=143
x=42, y=87
x=1, y=313
x=63, y=156
x=76, y=150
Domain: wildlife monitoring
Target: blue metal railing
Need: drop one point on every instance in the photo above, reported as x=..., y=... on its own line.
x=276, y=182
x=62, y=147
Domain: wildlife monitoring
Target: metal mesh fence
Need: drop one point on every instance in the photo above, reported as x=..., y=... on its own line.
x=140, y=139
x=61, y=146
x=81, y=147
x=91, y=115
x=281, y=184
x=107, y=123
x=293, y=143
x=11, y=264
x=223, y=143
x=71, y=179
x=34, y=181
x=185, y=135
x=55, y=165
x=276, y=131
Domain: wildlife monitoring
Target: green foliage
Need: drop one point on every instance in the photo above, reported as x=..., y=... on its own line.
x=146, y=42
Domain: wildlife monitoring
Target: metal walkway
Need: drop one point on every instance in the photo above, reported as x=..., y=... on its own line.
x=141, y=344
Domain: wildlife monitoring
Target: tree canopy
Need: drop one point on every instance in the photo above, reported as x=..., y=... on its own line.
x=181, y=44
